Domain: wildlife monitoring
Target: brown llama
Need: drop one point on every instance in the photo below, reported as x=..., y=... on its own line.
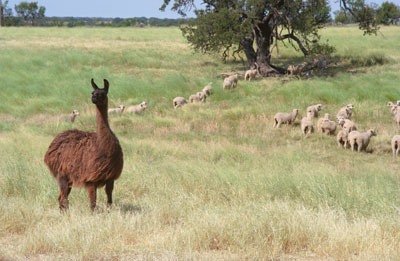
x=91, y=159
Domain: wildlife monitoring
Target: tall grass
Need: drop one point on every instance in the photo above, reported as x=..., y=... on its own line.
x=212, y=181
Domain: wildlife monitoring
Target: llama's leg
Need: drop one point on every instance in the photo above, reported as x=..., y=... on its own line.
x=109, y=190
x=91, y=188
x=64, y=192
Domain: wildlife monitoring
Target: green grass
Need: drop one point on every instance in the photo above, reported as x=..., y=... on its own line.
x=212, y=181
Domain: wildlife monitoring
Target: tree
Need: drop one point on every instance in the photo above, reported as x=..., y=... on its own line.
x=225, y=25
x=343, y=17
x=388, y=13
x=30, y=12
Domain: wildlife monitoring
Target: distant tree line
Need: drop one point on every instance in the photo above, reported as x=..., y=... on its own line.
x=388, y=13
x=31, y=14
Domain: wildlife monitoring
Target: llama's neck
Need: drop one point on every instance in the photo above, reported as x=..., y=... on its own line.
x=105, y=136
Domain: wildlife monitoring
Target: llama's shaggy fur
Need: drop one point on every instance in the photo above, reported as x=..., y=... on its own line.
x=91, y=159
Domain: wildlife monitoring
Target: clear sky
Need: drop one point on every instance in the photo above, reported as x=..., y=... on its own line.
x=121, y=8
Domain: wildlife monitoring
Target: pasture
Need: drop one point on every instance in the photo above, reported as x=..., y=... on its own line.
x=207, y=181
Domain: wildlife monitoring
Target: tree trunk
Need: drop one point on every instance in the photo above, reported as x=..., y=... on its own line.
x=264, y=40
x=247, y=45
x=1, y=12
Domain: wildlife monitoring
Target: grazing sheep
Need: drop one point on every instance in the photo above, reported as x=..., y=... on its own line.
x=137, y=109
x=295, y=70
x=314, y=109
x=202, y=96
x=120, y=109
x=307, y=126
x=179, y=102
x=396, y=118
x=320, y=120
x=347, y=125
x=250, y=74
x=208, y=89
x=70, y=117
x=285, y=117
x=320, y=63
x=341, y=138
x=194, y=98
x=230, y=82
x=328, y=127
x=395, y=145
x=359, y=140
x=91, y=159
x=395, y=109
x=345, y=112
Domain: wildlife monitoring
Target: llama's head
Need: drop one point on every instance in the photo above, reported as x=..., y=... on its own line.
x=75, y=112
x=99, y=96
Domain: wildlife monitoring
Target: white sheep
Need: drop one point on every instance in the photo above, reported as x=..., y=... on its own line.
x=307, y=126
x=347, y=125
x=250, y=74
x=328, y=127
x=360, y=140
x=320, y=120
x=345, y=112
x=396, y=117
x=230, y=82
x=138, y=108
x=395, y=109
x=314, y=109
x=194, y=98
x=179, y=102
x=285, y=117
x=208, y=89
x=202, y=96
x=70, y=117
x=395, y=145
x=342, y=138
x=120, y=109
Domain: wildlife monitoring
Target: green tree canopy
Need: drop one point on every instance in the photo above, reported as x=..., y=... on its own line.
x=388, y=13
x=223, y=25
x=30, y=12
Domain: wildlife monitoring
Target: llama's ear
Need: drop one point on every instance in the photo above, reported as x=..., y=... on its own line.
x=94, y=85
x=106, y=84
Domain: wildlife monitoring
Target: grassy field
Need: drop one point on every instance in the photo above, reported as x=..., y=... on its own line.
x=212, y=181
